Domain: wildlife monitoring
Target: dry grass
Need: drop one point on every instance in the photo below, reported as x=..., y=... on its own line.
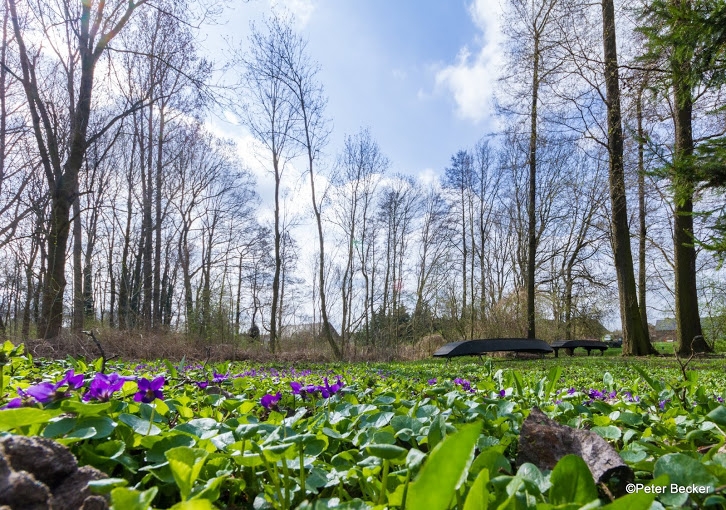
x=137, y=346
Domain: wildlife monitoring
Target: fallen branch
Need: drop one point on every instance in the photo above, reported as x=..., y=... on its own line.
x=100, y=349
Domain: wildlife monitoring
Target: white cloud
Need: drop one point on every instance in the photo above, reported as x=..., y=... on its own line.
x=301, y=10
x=472, y=77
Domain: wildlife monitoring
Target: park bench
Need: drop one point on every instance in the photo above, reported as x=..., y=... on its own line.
x=571, y=345
x=479, y=347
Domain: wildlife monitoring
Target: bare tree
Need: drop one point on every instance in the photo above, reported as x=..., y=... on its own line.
x=531, y=32
x=359, y=170
x=269, y=113
x=86, y=30
x=300, y=74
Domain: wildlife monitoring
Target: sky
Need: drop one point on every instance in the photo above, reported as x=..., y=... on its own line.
x=418, y=74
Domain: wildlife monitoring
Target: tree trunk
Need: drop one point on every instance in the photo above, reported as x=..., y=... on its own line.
x=689, y=337
x=532, y=195
x=77, y=321
x=635, y=333
x=643, y=231
x=278, y=258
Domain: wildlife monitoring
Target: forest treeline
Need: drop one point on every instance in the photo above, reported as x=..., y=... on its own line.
x=122, y=208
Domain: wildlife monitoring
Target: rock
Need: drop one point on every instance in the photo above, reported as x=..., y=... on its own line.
x=73, y=492
x=543, y=442
x=48, y=461
x=40, y=474
x=20, y=490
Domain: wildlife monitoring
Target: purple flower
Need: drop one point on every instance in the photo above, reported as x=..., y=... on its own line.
x=269, y=400
x=433, y=381
x=13, y=404
x=43, y=392
x=502, y=393
x=149, y=390
x=465, y=385
x=335, y=388
x=719, y=400
x=218, y=378
x=48, y=392
x=72, y=380
x=595, y=394
x=558, y=401
x=102, y=387
x=662, y=403
x=571, y=391
x=296, y=387
x=202, y=384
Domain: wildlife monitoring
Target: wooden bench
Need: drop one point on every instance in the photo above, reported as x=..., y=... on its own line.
x=479, y=347
x=571, y=345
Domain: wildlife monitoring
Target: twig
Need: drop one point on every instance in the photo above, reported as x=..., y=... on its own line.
x=685, y=365
x=100, y=348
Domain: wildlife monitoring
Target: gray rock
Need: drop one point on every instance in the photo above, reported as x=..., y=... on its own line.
x=543, y=442
x=40, y=474
x=71, y=494
x=48, y=461
x=20, y=490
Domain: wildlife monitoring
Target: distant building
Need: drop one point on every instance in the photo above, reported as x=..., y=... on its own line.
x=665, y=330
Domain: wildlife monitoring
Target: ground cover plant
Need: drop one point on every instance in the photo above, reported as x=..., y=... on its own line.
x=416, y=435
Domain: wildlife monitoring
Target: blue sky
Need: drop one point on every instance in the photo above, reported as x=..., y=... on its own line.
x=418, y=73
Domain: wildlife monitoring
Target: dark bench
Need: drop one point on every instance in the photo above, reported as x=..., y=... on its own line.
x=571, y=345
x=479, y=347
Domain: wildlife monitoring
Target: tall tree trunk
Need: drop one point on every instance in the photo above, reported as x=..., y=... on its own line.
x=278, y=258
x=78, y=316
x=635, y=333
x=156, y=292
x=532, y=194
x=689, y=337
x=643, y=229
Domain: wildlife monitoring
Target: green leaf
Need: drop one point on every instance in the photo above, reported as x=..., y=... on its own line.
x=478, y=498
x=195, y=504
x=572, y=482
x=210, y=490
x=683, y=471
x=609, y=432
x=104, y=426
x=130, y=499
x=718, y=415
x=437, y=431
x=85, y=408
x=386, y=451
x=106, y=485
x=440, y=475
x=21, y=417
x=552, y=378
x=139, y=425
x=58, y=428
x=607, y=380
x=186, y=464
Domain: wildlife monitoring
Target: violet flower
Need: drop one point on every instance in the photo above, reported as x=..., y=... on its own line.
x=149, y=390
x=46, y=392
x=502, y=393
x=269, y=400
x=465, y=385
x=296, y=387
x=432, y=381
x=218, y=378
x=102, y=387
x=13, y=404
